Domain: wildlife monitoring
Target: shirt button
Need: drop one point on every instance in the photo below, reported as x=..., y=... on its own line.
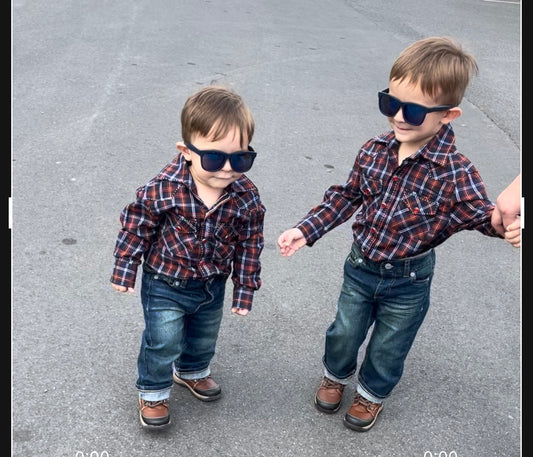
x=373, y=230
x=388, y=266
x=204, y=240
x=416, y=211
x=383, y=205
x=395, y=178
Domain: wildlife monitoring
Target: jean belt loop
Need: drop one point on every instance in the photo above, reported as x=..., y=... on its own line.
x=357, y=250
x=407, y=267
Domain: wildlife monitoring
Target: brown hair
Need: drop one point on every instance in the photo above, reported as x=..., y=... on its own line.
x=440, y=67
x=213, y=111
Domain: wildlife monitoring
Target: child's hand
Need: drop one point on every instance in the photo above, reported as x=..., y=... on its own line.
x=290, y=241
x=513, y=233
x=240, y=311
x=123, y=288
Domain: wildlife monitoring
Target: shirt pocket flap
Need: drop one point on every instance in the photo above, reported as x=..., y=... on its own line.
x=423, y=204
x=370, y=186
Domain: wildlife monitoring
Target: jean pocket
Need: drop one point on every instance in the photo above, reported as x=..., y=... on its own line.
x=422, y=276
x=355, y=258
x=415, y=279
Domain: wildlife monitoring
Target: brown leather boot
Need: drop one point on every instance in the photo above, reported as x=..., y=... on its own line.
x=362, y=414
x=205, y=389
x=329, y=395
x=154, y=414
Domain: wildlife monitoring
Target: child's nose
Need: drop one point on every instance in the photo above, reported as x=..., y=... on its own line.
x=399, y=116
x=227, y=165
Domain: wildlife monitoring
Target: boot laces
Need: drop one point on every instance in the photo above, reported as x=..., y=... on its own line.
x=330, y=384
x=153, y=404
x=369, y=405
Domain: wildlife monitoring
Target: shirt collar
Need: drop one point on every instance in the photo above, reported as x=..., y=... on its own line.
x=436, y=150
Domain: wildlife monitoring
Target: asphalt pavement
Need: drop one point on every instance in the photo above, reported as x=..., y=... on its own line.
x=97, y=90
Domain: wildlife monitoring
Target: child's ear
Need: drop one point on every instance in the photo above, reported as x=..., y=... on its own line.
x=452, y=114
x=184, y=150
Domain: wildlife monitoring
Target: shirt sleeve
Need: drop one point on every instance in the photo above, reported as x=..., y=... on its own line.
x=247, y=266
x=338, y=204
x=473, y=210
x=139, y=224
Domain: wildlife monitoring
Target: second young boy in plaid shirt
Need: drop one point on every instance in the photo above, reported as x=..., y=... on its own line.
x=412, y=190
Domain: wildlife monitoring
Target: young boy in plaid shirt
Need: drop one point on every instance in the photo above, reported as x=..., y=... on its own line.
x=196, y=223
x=413, y=190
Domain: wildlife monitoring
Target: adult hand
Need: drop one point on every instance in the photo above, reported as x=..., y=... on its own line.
x=513, y=233
x=507, y=208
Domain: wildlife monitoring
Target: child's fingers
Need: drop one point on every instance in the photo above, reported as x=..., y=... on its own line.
x=516, y=225
x=123, y=289
x=239, y=311
x=285, y=239
x=515, y=244
x=513, y=237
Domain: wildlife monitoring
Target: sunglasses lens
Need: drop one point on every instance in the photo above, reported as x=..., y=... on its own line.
x=413, y=114
x=213, y=161
x=388, y=105
x=242, y=161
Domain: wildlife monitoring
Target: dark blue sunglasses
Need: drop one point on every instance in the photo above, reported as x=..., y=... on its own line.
x=412, y=113
x=213, y=160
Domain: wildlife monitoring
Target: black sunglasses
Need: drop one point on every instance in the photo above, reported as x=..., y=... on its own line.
x=412, y=113
x=213, y=160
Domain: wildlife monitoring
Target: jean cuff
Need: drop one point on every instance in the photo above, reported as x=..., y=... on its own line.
x=361, y=391
x=189, y=375
x=344, y=381
x=154, y=395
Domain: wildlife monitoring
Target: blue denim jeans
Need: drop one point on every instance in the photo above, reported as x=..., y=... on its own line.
x=182, y=320
x=391, y=296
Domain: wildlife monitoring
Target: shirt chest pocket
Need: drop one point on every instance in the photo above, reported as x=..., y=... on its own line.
x=179, y=236
x=226, y=237
x=420, y=212
x=184, y=226
x=423, y=205
x=370, y=187
x=371, y=190
x=226, y=234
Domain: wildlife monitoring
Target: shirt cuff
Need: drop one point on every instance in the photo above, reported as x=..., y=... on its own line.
x=124, y=273
x=242, y=298
x=309, y=232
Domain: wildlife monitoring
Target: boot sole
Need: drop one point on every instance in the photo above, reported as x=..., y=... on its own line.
x=361, y=428
x=153, y=426
x=326, y=410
